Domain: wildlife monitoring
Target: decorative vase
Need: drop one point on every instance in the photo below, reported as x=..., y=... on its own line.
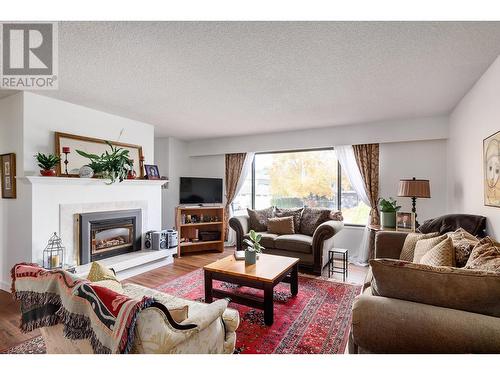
x=48, y=172
x=388, y=219
x=131, y=175
x=250, y=257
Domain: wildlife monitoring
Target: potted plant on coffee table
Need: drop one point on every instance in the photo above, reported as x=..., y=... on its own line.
x=47, y=163
x=253, y=247
x=388, y=209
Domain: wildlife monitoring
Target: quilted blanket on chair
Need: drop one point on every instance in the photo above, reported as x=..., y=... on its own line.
x=87, y=311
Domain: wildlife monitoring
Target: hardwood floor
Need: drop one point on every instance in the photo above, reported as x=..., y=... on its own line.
x=10, y=335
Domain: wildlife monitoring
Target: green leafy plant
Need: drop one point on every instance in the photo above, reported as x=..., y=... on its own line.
x=388, y=205
x=47, y=162
x=253, y=244
x=114, y=164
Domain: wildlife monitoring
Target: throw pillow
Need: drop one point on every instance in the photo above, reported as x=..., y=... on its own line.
x=463, y=242
x=258, y=218
x=411, y=239
x=336, y=216
x=443, y=254
x=485, y=256
x=424, y=245
x=312, y=218
x=179, y=314
x=455, y=288
x=281, y=225
x=99, y=272
x=294, y=212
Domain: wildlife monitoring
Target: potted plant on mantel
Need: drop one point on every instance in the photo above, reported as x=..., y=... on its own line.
x=47, y=163
x=388, y=209
x=253, y=247
x=114, y=165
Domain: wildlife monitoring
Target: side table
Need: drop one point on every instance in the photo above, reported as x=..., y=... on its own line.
x=342, y=255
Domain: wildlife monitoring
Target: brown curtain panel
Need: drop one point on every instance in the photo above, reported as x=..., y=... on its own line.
x=367, y=158
x=234, y=166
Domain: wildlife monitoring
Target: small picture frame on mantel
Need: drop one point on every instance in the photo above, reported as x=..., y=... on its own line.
x=8, y=174
x=151, y=172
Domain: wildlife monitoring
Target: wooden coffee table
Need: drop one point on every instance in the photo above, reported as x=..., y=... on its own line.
x=269, y=271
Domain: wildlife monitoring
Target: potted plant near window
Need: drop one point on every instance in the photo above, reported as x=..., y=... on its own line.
x=253, y=247
x=47, y=163
x=388, y=209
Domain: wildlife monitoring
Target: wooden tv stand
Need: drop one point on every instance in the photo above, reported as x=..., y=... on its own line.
x=187, y=230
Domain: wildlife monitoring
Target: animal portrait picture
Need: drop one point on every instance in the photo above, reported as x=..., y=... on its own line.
x=491, y=167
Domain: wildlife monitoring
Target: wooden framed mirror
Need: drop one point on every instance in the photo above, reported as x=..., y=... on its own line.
x=90, y=145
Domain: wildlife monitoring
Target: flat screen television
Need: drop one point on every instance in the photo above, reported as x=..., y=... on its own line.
x=196, y=190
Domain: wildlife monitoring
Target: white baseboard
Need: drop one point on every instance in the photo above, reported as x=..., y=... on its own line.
x=5, y=285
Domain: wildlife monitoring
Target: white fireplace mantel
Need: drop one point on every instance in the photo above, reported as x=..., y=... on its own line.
x=54, y=202
x=34, y=180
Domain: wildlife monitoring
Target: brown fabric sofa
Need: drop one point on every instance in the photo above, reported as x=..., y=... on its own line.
x=390, y=325
x=311, y=250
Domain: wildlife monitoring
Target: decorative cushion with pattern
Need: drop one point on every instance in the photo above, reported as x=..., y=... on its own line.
x=485, y=256
x=258, y=218
x=456, y=288
x=336, y=216
x=411, y=239
x=425, y=245
x=463, y=242
x=280, y=225
x=443, y=254
x=312, y=218
x=296, y=213
x=99, y=272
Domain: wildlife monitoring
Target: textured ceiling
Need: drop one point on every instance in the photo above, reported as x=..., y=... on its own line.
x=207, y=79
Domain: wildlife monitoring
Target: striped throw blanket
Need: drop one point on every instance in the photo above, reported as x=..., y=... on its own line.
x=87, y=311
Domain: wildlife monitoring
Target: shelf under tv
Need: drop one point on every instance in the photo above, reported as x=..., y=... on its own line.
x=190, y=230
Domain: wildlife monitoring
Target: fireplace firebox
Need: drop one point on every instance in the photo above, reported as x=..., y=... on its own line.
x=110, y=233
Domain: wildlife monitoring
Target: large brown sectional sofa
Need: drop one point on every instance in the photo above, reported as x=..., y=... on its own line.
x=313, y=237
x=461, y=313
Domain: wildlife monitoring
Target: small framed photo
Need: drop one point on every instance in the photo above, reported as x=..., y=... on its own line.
x=405, y=221
x=151, y=172
x=8, y=174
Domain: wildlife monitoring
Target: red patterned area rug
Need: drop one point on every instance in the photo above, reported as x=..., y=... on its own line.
x=35, y=345
x=316, y=321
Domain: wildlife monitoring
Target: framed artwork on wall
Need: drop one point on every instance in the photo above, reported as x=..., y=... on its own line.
x=405, y=221
x=69, y=143
x=8, y=173
x=491, y=170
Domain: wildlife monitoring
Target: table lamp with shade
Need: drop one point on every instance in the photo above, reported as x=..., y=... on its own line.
x=414, y=189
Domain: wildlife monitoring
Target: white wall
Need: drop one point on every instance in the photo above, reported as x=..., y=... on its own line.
x=43, y=116
x=420, y=159
x=14, y=244
x=171, y=157
x=427, y=128
x=27, y=125
x=476, y=117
